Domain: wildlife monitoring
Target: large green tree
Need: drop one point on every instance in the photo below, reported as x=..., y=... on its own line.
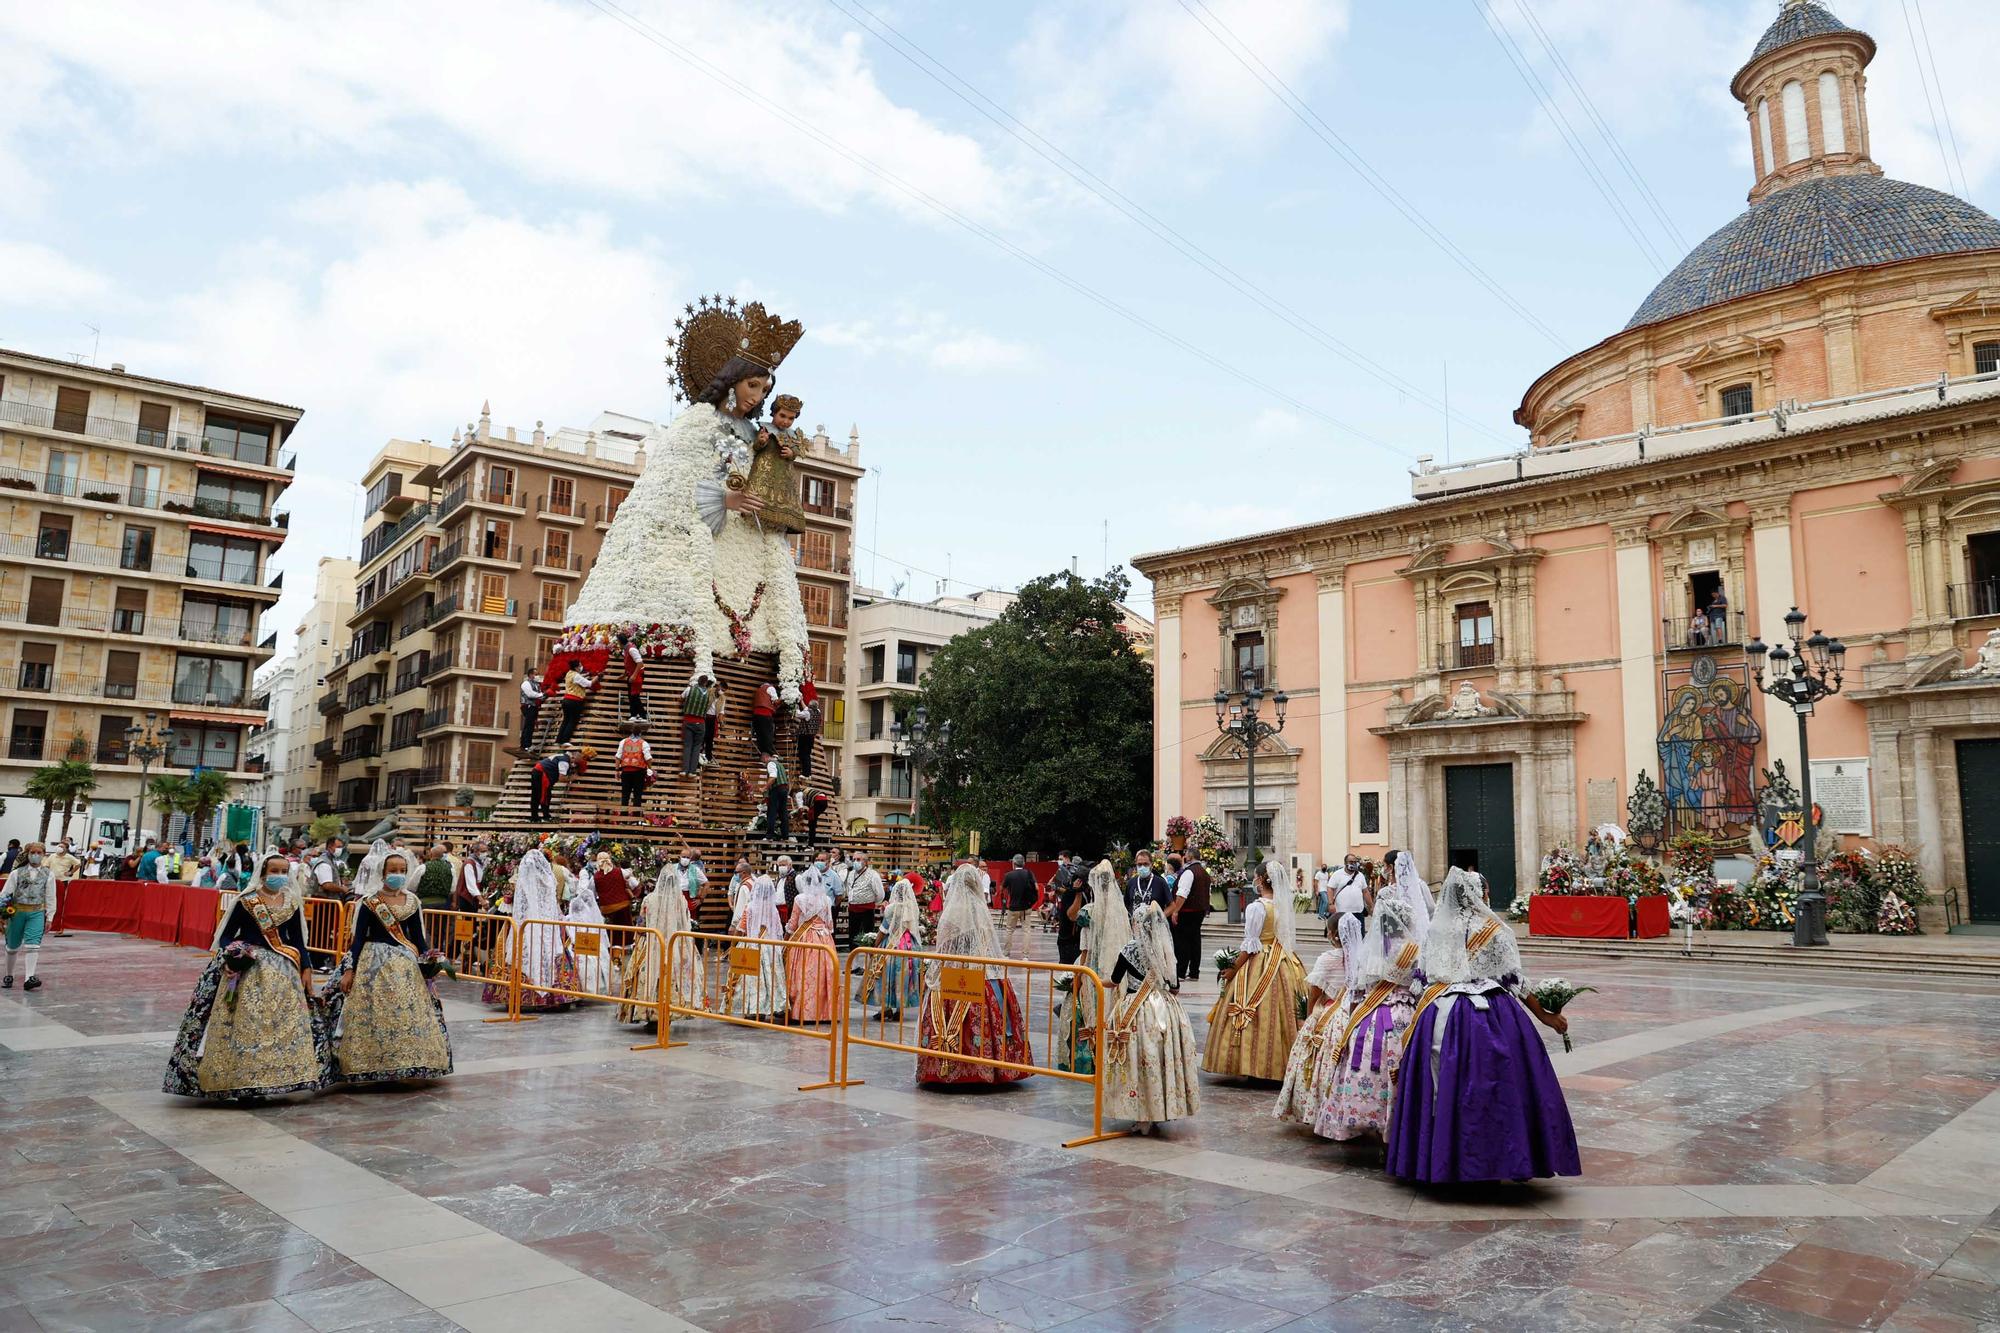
x=1051, y=723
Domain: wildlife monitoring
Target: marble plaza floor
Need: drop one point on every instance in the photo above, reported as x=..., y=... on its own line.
x=1762, y=1150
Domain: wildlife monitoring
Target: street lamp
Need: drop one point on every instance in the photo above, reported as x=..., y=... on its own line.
x=915, y=742
x=1241, y=721
x=1801, y=675
x=143, y=744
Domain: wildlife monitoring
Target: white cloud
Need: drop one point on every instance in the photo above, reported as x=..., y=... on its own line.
x=564, y=93
x=38, y=276
x=1148, y=84
x=932, y=340
x=403, y=309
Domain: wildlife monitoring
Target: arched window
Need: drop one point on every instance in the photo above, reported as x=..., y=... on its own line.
x=1794, y=102
x=1832, y=130
x=1764, y=134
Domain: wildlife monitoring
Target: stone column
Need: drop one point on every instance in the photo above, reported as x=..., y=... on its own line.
x=1529, y=843
x=1415, y=830
x=1167, y=756
x=1930, y=829
x=1638, y=671
x=1771, y=552
x=1332, y=829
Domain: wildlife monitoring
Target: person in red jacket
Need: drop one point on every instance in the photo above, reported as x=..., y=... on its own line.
x=764, y=720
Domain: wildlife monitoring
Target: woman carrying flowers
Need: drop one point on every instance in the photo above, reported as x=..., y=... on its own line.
x=251, y=1030
x=1367, y=1049
x=1256, y=1017
x=388, y=1024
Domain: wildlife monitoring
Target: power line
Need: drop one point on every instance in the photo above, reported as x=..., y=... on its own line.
x=1603, y=127
x=948, y=79
x=1944, y=104
x=724, y=80
x=1525, y=68
x=1937, y=129
x=1241, y=52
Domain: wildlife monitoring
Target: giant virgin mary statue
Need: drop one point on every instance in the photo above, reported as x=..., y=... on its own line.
x=689, y=568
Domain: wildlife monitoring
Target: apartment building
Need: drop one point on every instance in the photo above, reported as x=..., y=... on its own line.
x=320, y=638
x=891, y=642
x=370, y=752
x=267, y=743
x=135, y=565
x=486, y=544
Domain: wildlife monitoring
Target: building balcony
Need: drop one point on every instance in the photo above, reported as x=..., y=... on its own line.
x=560, y=511
x=474, y=662
x=116, y=430
x=324, y=750
x=1969, y=601
x=1722, y=630
x=507, y=498
x=329, y=703
x=453, y=501
x=86, y=490
x=493, y=553
x=558, y=567
x=1459, y=656
x=385, y=536
x=442, y=609
x=500, y=722
x=434, y=718
x=319, y=803
x=196, y=696
x=209, y=631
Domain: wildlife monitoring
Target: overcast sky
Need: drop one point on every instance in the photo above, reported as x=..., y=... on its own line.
x=1085, y=281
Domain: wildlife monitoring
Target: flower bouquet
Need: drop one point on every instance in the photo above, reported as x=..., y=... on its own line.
x=1553, y=994
x=1894, y=916
x=237, y=958
x=1302, y=903
x=1226, y=959
x=433, y=961
x=867, y=939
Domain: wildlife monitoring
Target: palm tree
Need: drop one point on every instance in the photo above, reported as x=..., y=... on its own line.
x=60, y=784
x=168, y=794
x=205, y=791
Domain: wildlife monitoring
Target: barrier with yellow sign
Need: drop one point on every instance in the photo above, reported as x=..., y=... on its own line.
x=725, y=962
x=959, y=979
x=598, y=983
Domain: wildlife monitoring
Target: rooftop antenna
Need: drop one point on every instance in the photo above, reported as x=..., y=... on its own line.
x=1447, y=413
x=94, y=332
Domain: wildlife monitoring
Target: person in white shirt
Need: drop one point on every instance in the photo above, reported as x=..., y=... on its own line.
x=532, y=695
x=1353, y=899
x=864, y=896
x=326, y=870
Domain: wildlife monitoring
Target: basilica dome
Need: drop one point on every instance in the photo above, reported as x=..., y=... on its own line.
x=1814, y=227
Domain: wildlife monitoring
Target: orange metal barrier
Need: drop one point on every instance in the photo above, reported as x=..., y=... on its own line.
x=723, y=972
x=590, y=943
x=481, y=948
x=951, y=983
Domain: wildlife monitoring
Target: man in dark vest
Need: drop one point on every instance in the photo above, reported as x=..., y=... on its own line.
x=1190, y=905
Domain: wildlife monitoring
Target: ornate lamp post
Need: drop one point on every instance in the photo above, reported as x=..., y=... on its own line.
x=1241, y=721
x=1802, y=675
x=143, y=743
x=916, y=742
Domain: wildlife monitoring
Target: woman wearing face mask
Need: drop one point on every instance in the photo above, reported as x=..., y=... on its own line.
x=251, y=1031
x=388, y=1027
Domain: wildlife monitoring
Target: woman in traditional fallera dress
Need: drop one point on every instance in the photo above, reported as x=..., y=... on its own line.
x=1107, y=929
x=1405, y=884
x=585, y=915
x=1256, y=1017
x=546, y=963
x=1476, y=1098
x=759, y=994
x=1367, y=1047
x=1150, y=1065
x=992, y=1030
x=812, y=978
x=254, y=1031
x=1309, y=1066
x=387, y=1025
x=895, y=983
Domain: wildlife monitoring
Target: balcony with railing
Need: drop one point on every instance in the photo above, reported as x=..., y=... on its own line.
x=441, y=609
x=384, y=536
x=361, y=743
x=329, y=703
x=833, y=673
x=435, y=718
x=200, y=629
x=326, y=749
x=1969, y=601
x=559, y=509
x=118, y=430
x=367, y=692
x=1454, y=656
x=412, y=674
x=198, y=695
x=557, y=565
x=1723, y=629
x=453, y=501
x=62, y=485
x=62, y=548
x=448, y=556
x=369, y=640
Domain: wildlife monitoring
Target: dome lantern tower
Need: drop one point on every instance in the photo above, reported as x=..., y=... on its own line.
x=1804, y=98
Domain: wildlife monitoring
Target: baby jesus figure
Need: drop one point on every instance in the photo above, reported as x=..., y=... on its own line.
x=772, y=478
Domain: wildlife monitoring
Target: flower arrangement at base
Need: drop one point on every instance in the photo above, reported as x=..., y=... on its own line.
x=1631, y=876
x=1518, y=909
x=1894, y=916
x=1561, y=873
x=1692, y=852
x=1553, y=994
x=656, y=640
x=1180, y=826
x=1894, y=870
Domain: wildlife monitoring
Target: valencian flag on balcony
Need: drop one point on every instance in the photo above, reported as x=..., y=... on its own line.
x=493, y=606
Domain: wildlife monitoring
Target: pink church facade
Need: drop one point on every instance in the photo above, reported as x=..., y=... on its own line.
x=1788, y=420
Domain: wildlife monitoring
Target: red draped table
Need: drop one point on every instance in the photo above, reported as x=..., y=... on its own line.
x=1653, y=919
x=169, y=913
x=1577, y=916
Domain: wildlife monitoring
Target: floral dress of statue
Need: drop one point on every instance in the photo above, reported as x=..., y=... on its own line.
x=388, y=1026
x=1367, y=1048
x=1309, y=1066
x=990, y=1027
x=251, y=1029
x=681, y=572
x=1476, y=1097
x=1151, y=1068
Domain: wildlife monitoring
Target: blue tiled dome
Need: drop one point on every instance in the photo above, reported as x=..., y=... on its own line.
x=1815, y=227
x=1795, y=23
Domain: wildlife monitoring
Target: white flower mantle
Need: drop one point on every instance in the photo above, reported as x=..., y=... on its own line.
x=661, y=573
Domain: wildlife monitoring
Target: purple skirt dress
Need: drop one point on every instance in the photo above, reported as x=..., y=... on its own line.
x=1490, y=1110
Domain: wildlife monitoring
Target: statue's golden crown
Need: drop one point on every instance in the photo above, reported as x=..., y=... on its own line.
x=712, y=330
